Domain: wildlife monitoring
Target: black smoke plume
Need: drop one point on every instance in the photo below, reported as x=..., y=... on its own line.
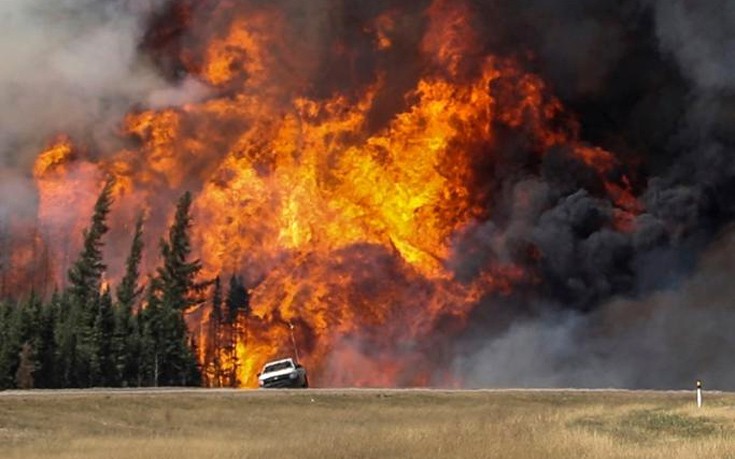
x=650, y=80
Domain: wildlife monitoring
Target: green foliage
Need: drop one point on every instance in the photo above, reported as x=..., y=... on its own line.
x=169, y=358
x=126, y=340
x=10, y=344
x=77, y=336
x=85, y=274
x=129, y=291
x=45, y=372
x=126, y=347
x=103, y=368
x=178, y=275
x=66, y=343
x=82, y=338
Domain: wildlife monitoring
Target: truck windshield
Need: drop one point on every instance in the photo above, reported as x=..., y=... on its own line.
x=277, y=367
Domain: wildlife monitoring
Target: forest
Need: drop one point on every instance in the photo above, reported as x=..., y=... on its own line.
x=90, y=334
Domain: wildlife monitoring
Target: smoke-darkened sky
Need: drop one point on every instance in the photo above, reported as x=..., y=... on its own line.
x=650, y=80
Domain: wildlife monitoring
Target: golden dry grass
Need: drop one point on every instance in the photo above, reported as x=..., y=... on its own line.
x=366, y=424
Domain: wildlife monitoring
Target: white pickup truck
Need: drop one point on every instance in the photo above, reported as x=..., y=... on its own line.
x=283, y=373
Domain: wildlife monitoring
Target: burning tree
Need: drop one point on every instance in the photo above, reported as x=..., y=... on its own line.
x=376, y=185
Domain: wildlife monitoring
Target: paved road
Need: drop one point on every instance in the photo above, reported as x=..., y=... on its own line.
x=255, y=392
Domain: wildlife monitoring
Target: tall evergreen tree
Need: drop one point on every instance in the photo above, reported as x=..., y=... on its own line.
x=45, y=375
x=132, y=371
x=85, y=275
x=151, y=336
x=67, y=358
x=126, y=337
x=126, y=347
x=149, y=320
x=27, y=344
x=179, y=287
x=128, y=291
x=31, y=320
x=82, y=338
x=18, y=334
x=10, y=344
x=85, y=278
x=169, y=357
x=30, y=311
x=103, y=371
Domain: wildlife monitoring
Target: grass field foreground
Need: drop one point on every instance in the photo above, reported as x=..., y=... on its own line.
x=366, y=424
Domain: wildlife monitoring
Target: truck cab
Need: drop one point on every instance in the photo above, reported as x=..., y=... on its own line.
x=283, y=373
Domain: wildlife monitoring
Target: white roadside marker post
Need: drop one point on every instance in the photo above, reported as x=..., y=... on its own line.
x=699, y=394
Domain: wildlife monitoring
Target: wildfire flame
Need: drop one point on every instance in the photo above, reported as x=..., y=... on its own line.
x=341, y=227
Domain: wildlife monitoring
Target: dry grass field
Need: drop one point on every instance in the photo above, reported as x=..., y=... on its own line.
x=366, y=424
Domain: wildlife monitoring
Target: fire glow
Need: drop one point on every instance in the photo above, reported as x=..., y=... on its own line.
x=340, y=225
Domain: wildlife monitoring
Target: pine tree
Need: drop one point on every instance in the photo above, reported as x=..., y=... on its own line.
x=169, y=359
x=149, y=325
x=152, y=355
x=45, y=373
x=126, y=337
x=126, y=347
x=18, y=336
x=132, y=375
x=103, y=371
x=178, y=275
x=65, y=332
x=128, y=291
x=85, y=277
x=179, y=290
x=30, y=319
x=10, y=344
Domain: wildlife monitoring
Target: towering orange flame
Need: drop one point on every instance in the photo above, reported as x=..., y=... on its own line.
x=342, y=230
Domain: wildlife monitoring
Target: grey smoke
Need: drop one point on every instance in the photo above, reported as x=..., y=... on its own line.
x=650, y=79
x=73, y=66
x=666, y=340
x=611, y=309
x=701, y=36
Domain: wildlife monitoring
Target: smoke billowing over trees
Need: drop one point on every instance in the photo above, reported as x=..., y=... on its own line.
x=81, y=337
x=613, y=262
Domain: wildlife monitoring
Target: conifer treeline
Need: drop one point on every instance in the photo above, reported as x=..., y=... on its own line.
x=86, y=336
